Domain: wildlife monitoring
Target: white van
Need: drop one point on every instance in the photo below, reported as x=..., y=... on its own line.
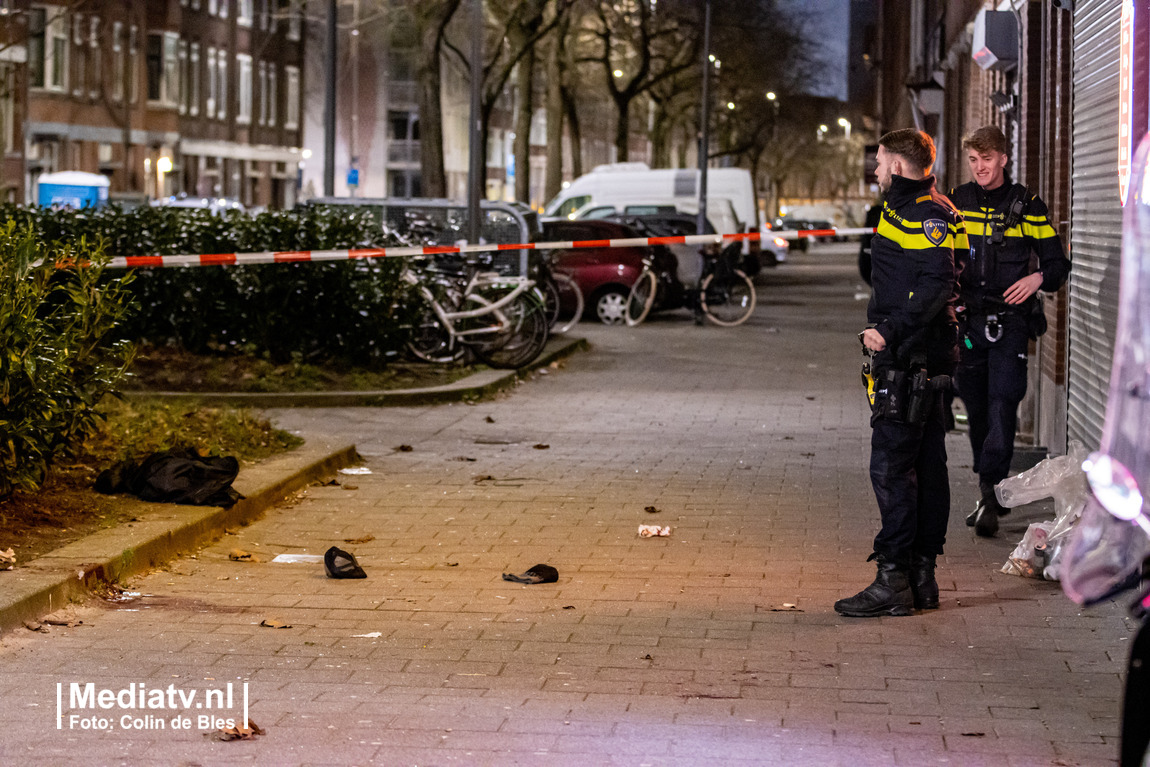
x=611, y=187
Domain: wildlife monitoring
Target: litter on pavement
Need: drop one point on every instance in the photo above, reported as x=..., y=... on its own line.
x=355, y=470
x=650, y=531
x=537, y=574
x=292, y=559
x=341, y=564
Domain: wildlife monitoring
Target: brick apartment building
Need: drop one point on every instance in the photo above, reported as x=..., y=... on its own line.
x=162, y=96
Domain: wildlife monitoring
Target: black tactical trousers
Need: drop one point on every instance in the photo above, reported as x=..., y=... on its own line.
x=991, y=380
x=909, y=476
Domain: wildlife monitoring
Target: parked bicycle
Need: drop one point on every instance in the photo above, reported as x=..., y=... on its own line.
x=562, y=298
x=724, y=294
x=466, y=306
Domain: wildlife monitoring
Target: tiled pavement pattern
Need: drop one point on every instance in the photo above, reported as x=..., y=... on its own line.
x=752, y=443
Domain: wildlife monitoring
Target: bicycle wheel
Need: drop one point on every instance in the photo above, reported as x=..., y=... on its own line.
x=642, y=298
x=568, y=294
x=522, y=340
x=727, y=299
x=430, y=341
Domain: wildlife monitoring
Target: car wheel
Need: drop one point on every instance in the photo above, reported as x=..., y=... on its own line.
x=611, y=307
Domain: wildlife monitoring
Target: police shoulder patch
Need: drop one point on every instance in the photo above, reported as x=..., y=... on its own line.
x=935, y=230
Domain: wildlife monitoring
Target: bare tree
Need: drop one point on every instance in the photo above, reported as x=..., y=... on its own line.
x=641, y=45
x=432, y=18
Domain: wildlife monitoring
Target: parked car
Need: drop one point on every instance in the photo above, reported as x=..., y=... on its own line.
x=771, y=252
x=804, y=243
x=605, y=275
x=214, y=204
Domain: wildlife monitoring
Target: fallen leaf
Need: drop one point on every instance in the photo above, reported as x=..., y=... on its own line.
x=974, y=734
x=70, y=623
x=275, y=623
x=236, y=733
x=35, y=626
x=239, y=555
x=651, y=510
x=453, y=564
x=464, y=458
x=351, y=487
x=489, y=419
x=403, y=449
x=361, y=539
x=542, y=446
x=568, y=607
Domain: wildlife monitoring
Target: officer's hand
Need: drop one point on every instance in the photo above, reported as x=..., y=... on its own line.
x=1023, y=289
x=873, y=340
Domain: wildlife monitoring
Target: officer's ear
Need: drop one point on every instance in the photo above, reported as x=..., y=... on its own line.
x=896, y=166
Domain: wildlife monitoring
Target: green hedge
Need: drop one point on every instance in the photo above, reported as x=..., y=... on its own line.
x=349, y=311
x=59, y=352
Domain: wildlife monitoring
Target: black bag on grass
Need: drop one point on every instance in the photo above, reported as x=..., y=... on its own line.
x=180, y=475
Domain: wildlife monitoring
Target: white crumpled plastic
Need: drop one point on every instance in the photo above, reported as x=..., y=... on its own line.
x=650, y=531
x=1060, y=478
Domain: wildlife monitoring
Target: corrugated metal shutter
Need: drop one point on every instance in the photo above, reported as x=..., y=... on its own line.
x=1095, y=218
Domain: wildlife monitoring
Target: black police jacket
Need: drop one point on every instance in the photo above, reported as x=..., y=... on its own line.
x=913, y=276
x=987, y=270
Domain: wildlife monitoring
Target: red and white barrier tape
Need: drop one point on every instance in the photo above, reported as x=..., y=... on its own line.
x=296, y=256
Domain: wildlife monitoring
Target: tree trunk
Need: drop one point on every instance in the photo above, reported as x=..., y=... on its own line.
x=622, y=132
x=661, y=137
x=431, y=19
x=553, y=183
x=574, y=132
x=525, y=106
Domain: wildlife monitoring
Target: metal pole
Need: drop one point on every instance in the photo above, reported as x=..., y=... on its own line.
x=329, y=104
x=475, y=174
x=704, y=119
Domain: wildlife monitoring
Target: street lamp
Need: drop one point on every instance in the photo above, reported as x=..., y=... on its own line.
x=846, y=125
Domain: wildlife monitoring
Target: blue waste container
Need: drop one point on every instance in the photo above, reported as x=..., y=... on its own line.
x=73, y=189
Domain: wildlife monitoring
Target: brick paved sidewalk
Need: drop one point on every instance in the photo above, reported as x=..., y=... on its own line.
x=751, y=442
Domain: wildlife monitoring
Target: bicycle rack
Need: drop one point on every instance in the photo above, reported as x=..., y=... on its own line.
x=434, y=221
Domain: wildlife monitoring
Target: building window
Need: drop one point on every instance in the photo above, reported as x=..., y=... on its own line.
x=222, y=71
x=224, y=8
x=171, y=69
x=194, y=85
x=81, y=72
x=133, y=83
x=36, y=47
x=244, y=12
x=263, y=85
x=56, y=55
x=263, y=14
x=117, y=61
x=291, y=108
x=185, y=85
x=292, y=14
x=243, y=89
x=154, y=63
x=7, y=109
x=273, y=96
x=94, y=57
x=213, y=85
x=214, y=7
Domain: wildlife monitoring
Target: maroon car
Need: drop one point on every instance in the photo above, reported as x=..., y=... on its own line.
x=605, y=275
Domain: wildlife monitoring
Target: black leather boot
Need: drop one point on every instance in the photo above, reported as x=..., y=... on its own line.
x=922, y=583
x=889, y=594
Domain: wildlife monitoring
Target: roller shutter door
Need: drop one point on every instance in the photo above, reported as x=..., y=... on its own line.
x=1095, y=218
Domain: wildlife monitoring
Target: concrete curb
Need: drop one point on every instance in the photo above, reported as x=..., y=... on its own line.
x=161, y=533
x=483, y=384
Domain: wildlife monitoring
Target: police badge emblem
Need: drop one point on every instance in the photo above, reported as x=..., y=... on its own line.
x=935, y=230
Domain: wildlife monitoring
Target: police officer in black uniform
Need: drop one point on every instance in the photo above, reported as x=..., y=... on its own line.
x=999, y=312
x=913, y=340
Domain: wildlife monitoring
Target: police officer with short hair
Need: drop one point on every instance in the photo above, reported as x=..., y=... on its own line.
x=914, y=347
x=1005, y=227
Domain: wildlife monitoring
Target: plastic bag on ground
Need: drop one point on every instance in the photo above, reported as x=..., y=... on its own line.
x=1060, y=478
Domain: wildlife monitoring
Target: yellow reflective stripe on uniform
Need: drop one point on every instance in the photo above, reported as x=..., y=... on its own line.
x=1041, y=231
x=924, y=198
x=912, y=240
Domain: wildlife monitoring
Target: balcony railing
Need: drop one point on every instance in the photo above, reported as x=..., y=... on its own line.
x=399, y=151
